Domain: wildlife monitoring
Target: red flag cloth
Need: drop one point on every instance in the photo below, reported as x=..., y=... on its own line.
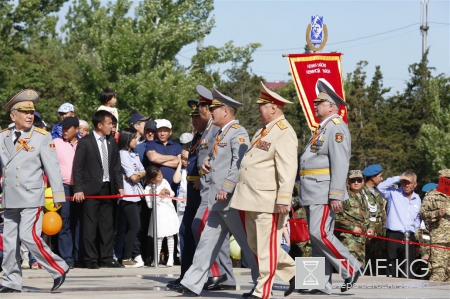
x=306, y=70
x=443, y=185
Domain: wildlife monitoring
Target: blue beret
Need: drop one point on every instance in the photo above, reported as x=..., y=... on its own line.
x=428, y=187
x=372, y=170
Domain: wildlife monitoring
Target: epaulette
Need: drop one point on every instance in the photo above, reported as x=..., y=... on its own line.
x=281, y=125
x=336, y=121
x=236, y=126
x=4, y=130
x=39, y=130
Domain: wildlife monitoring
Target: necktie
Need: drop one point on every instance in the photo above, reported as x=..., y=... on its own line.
x=215, y=149
x=105, y=163
x=17, y=133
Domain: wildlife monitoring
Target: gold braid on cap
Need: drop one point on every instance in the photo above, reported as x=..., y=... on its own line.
x=217, y=103
x=264, y=98
x=24, y=106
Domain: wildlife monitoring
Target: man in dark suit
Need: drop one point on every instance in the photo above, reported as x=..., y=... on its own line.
x=96, y=171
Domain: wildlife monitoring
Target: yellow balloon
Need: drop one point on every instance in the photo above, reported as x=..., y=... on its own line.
x=235, y=249
x=49, y=205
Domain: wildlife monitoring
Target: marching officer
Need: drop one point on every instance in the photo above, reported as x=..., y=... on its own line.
x=324, y=165
x=26, y=150
x=223, y=161
x=264, y=191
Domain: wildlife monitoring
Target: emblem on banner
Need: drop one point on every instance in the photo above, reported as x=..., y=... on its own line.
x=316, y=34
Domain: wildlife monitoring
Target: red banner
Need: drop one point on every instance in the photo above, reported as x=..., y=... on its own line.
x=306, y=70
x=443, y=185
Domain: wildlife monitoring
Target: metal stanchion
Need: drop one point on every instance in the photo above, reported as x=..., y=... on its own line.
x=407, y=253
x=155, y=228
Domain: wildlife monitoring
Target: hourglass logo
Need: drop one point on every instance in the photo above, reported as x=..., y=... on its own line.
x=310, y=273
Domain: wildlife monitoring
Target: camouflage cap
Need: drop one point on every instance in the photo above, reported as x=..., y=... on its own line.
x=444, y=173
x=355, y=174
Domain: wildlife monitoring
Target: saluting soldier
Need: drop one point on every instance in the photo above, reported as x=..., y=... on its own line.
x=223, y=162
x=354, y=217
x=26, y=151
x=323, y=171
x=436, y=215
x=264, y=192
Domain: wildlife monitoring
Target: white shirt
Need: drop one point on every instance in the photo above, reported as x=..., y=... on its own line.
x=99, y=144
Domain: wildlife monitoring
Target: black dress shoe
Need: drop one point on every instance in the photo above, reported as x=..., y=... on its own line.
x=92, y=265
x=225, y=287
x=112, y=264
x=173, y=283
x=291, y=287
x=71, y=265
x=4, y=289
x=312, y=292
x=57, y=282
x=247, y=295
x=185, y=291
x=349, y=282
x=214, y=282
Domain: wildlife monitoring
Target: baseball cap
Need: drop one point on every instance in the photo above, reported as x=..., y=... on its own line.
x=186, y=138
x=137, y=117
x=163, y=123
x=70, y=122
x=150, y=125
x=66, y=107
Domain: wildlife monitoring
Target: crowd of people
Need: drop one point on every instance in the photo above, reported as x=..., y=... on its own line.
x=215, y=180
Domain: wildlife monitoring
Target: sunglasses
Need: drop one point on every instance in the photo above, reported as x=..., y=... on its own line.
x=356, y=181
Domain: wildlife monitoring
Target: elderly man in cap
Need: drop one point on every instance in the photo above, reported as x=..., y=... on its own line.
x=65, y=110
x=354, y=217
x=403, y=220
x=375, y=248
x=436, y=214
x=223, y=162
x=26, y=151
x=324, y=165
x=138, y=121
x=264, y=192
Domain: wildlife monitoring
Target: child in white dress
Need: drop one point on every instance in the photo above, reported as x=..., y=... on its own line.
x=167, y=219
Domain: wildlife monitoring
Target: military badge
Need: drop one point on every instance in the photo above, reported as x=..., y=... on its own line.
x=29, y=94
x=32, y=148
x=236, y=126
x=52, y=146
x=222, y=144
x=264, y=145
x=339, y=137
x=241, y=139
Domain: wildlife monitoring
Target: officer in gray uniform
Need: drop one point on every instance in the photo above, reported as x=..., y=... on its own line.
x=223, y=161
x=323, y=168
x=26, y=150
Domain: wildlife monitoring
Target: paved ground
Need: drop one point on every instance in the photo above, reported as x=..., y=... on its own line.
x=150, y=283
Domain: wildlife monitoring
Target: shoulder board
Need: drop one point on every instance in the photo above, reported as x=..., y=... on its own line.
x=336, y=121
x=281, y=125
x=39, y=130
x=4, y=130
x=209, y=126
x=236, y=126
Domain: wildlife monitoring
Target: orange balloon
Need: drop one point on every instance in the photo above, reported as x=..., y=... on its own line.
x=51, y=223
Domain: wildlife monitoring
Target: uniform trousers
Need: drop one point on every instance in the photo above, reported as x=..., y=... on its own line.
x=222, y=264
x=65, y=241
x=187, y=242
x=325, y=244
x=264, y=231
x=218, y=226
x=25, y=225
x=98, y=216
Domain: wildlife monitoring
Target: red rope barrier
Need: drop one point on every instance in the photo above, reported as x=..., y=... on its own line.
x=121, y=196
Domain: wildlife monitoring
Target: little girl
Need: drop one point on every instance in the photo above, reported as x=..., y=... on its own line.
x=167, y=219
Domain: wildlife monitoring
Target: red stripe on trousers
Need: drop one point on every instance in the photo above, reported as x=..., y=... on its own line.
x=326, y=212
x=215, y=271
x=37, y=239
x=273, y=256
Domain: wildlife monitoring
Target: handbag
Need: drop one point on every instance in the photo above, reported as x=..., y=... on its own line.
x=298, y=228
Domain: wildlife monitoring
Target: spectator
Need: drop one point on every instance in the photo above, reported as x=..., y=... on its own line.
x=114, y=132
x=403, y=216
x=64, y=111
x=84, y=128
x=149, y=134
x=137, y=121
x=96, y=171
x=167, y=220
x=65, y=150
x=185, y=140
x=108, y=99
x=128, y=219
x=180, y=177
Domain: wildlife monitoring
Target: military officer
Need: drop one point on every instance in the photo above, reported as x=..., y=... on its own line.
x=436, y=214
x=26, y=150
x=264, y=192
x=354, y=217
x=375, y=248
x=223, y=161
x=323, y=171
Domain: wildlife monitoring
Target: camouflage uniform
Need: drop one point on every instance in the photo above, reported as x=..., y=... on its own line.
x=439, y=228
x=375, y=248
x=354, y=213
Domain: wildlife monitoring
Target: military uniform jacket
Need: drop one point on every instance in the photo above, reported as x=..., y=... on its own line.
x=324, y=164
x=438, y=226
x=376, y=206
x=268, y=169
x=225, y=164
x=22, y=169
x=193, y=195
x=203, y=150
x=354, y=213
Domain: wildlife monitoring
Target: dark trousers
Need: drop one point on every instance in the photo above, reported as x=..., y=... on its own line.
x=396, y=254
x=128, y=225
x=98, y=217
x=65, y=243
x=187, y=241
x=76, y=211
